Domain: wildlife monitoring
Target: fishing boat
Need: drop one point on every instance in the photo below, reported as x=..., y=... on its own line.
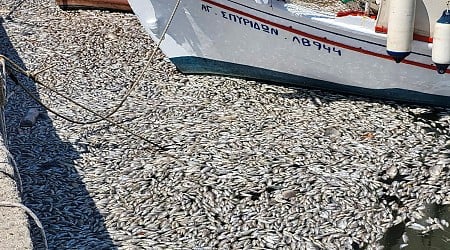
x=400, y=51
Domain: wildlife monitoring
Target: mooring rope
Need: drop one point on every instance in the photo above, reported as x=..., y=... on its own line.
x=17, y=5
x=33, y=76
x=10, y=159
x=103, y=118
x=31, y=214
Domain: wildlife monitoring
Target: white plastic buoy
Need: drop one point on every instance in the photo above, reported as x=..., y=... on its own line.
x=400, y=28
x=441, y=43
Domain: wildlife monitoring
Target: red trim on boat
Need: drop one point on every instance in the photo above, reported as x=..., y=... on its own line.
x=427, y=39
x=322, y=39
x=353, y=13
x=381, y=29
x=422, y=38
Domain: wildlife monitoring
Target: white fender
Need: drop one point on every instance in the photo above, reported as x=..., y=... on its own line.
x=400, y=28
x=441, y=43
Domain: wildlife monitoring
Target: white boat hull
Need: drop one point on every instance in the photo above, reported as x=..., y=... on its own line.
x=259, y=41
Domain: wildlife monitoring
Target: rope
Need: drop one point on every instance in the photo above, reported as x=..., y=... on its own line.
x=3, y=100
x=16, y=170
x=31, y=214
x=33, y=77
x=17, y=5
x=11, y=158
x=17, y=68
x=103, y=118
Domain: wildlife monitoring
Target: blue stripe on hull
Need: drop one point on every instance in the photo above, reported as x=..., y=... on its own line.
x=198, y=65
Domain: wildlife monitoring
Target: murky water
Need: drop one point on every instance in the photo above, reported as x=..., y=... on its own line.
x=436, y=239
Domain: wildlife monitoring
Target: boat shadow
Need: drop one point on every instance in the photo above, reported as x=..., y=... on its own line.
x=52, y=186
x=323, y=97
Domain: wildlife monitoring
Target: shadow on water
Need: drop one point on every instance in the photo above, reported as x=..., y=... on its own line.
x=52, y=186
x=435, y=239
x=326, y=96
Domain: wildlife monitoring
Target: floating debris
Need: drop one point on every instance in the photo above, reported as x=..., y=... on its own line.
x=30, y=118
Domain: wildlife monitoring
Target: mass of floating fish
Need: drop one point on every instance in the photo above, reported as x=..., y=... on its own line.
x=248, y=165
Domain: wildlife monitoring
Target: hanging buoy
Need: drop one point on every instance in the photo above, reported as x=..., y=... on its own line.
x=400, y=28
x=441, y=43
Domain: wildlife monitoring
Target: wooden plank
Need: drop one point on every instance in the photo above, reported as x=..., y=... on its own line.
x=121, y=5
